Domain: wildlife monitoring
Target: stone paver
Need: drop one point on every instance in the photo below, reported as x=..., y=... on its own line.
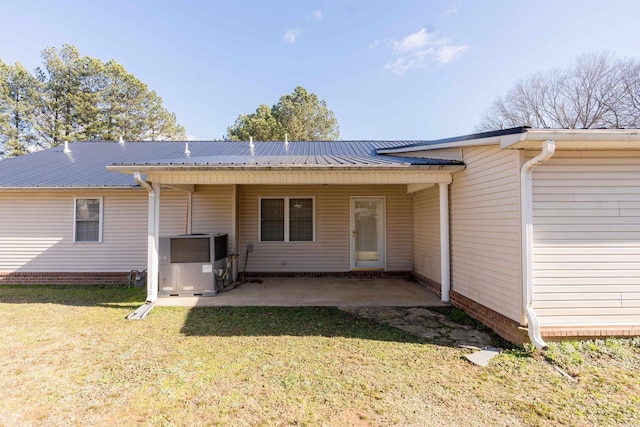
x=425, y=323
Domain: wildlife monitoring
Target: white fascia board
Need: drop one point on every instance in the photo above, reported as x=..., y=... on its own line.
x=578, y=139
x=494, y=140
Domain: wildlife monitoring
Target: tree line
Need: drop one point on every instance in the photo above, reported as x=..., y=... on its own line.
x=77, y=98
x=300, y=115
x=596, y=91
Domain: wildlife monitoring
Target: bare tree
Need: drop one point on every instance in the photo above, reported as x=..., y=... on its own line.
x=597, y=91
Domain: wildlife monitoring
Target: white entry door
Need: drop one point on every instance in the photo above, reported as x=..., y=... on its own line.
x=367, y=233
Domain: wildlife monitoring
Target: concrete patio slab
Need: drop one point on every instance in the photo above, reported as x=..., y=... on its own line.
x=316, y=291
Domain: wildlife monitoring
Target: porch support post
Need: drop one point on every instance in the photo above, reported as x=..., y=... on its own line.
x=445, y=262
x=153, y=232
x=234, y=229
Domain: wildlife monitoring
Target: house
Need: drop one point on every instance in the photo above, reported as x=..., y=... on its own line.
x=535, y=232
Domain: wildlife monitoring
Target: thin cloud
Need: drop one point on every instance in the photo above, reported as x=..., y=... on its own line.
x=317, y=14
x=292, y=34
x=412, y=42
x=446, y=54
x=417, y=50
x=453, y=9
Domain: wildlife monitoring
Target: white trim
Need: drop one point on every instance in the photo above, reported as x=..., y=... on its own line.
x=287, y=217
x=153, y=241
x=382, y=232
x=445, y=262
x=303, y=177
x=234, y=227
x=100, y=218
x=526, y=206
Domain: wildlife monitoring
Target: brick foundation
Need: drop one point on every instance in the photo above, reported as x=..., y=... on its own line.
x=508, y=329
x=68, y=278
x=557, y=333
x=431, y=284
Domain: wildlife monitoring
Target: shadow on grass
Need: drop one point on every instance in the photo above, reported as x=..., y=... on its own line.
x=74, y=295
x=288, y=321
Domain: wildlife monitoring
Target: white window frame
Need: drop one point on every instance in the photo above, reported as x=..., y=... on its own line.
x=100, y=219
x=287, y=218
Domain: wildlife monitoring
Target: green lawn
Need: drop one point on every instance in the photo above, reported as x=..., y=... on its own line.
x=69, y=357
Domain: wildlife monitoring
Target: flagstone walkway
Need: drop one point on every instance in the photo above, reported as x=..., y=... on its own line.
x=425, y=323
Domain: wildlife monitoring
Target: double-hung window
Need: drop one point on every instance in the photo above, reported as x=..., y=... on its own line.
x=87, y=226
x=287, y=219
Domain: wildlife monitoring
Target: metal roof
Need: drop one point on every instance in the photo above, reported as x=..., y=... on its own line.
x=85, y=166
x=416, y=145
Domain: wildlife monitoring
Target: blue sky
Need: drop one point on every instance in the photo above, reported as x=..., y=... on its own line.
x=388, y=69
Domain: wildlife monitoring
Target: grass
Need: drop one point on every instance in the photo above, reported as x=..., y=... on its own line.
x=69, y=357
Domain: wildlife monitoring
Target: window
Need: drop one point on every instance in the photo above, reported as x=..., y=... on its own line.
x=287, y=219
x=88, y=220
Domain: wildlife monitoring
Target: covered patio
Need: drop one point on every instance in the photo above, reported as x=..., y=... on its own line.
x=317, y=291
x=327, y=209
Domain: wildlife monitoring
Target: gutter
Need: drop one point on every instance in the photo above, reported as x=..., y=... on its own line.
x=526, y=213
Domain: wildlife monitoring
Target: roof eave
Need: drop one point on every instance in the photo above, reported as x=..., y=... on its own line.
x=579, y=139
x=506, y=136
x=72, y=187
x=204, y=168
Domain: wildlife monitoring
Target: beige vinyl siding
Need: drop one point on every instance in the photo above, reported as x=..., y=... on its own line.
x=331, y=249
x=173, y=212
x=485, y=229
x=36, y=232
x=426, y=238
x=586, y=207
x=213, y=211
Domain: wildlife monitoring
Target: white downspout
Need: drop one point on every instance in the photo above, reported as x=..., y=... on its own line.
x=526, y=206
x=152, y=233
x=445, y=263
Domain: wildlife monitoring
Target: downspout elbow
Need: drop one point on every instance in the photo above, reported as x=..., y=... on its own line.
x=137, y=176
x=526, y=184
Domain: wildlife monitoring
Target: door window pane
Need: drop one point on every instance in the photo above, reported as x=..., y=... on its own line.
x=366, y=224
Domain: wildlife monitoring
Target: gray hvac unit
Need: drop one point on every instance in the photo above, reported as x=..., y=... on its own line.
x=187, y=263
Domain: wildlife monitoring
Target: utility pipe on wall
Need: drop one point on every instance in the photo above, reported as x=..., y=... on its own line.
x=526, y=206
x=152, y=236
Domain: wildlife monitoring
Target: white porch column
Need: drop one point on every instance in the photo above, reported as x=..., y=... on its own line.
x=153, y=232
x=445, y=263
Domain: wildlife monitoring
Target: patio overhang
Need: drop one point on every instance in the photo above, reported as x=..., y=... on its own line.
x=415, y=177
x=318, y=175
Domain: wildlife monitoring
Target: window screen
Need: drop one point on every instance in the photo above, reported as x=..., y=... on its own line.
x=300, y=220
x=87, y=220
x=272, y=220
x=286, y=219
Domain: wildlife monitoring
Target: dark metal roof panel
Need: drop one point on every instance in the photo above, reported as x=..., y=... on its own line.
x=85, y=165
x=489, y=134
